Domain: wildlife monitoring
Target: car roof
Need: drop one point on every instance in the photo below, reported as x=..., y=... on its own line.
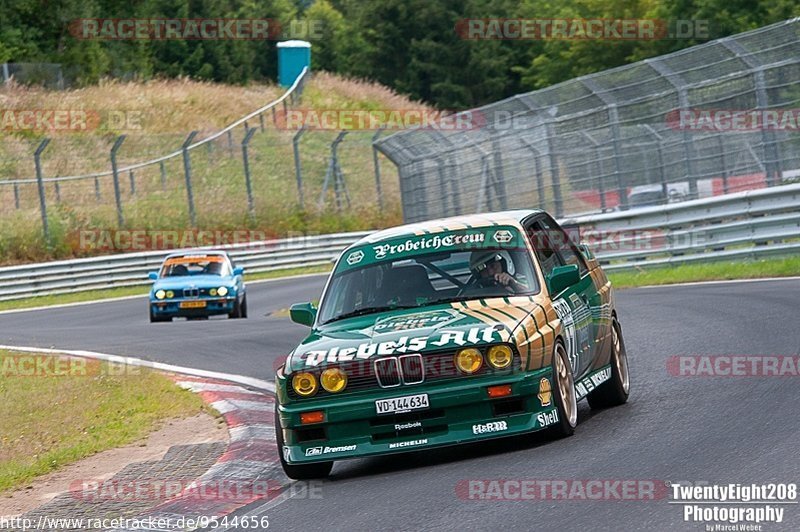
x=513, y=217
x=198, y=252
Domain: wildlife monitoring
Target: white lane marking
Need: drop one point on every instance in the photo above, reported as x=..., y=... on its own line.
x=722, y=281
x=144, y=295
x=209, y=387
x=119, y=359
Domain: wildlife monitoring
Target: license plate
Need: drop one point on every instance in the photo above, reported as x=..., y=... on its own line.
x=193, y=304
x=397, y=405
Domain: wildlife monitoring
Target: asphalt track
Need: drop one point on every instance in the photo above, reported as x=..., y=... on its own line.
x=680, y=429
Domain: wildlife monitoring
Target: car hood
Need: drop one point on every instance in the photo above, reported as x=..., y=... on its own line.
x=192, y=281
x=400, y=332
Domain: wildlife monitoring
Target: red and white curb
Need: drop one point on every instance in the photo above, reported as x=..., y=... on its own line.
x=248, y=471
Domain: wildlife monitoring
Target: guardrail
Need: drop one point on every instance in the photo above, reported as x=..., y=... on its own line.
x=131, y=269
x=748, y=224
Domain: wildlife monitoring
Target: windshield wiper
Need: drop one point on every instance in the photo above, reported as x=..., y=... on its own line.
x=370, y=310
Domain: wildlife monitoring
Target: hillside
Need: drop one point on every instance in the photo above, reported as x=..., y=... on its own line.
x=155, y=117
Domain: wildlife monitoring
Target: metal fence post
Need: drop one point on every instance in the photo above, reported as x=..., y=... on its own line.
x=40, y=184
x=558, y=204
x=261, y=121
x=58, y=191
x=133, y=182
x=376, y=163
x=16, y=196
x=250, y=204
x=163, y=175
x=187, y=170
x=598, y=169
x=335, y=171
x=298, y=171
x=97, y=188
x=115, y=173
x=230, y=143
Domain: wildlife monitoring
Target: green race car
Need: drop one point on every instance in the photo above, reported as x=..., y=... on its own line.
x=449, y=331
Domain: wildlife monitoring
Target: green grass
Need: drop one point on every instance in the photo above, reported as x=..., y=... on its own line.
x=50, y=420
x=108, y=293
x=714, y=271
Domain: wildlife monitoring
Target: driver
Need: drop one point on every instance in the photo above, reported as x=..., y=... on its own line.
x=489, y=269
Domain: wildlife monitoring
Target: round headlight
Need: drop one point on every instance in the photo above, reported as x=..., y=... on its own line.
x=469, y=360
x=170, y=294
x=160, y=294
x=333, y=380
x=213, y=291
x=305, y=384
x=222, y=291
x=500, y=356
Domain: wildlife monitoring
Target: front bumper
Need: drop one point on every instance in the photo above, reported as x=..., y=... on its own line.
x=460, y=411
x=172, y=307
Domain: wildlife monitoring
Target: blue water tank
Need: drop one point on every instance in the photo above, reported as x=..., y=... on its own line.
x=293, y=57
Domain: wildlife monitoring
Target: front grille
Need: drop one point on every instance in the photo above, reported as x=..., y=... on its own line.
x=191, y=292
x=413, y=368
x=387, y=371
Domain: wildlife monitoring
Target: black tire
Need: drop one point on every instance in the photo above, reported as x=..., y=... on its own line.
x=158, y=319
x=299, y=471
x=244, y=306
x=237, y=310
x=614, y=391
x=564, y=393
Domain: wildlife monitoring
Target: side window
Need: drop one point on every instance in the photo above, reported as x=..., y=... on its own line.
x=542, y=246
x=569, y=252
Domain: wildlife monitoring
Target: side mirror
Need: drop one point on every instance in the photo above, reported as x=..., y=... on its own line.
x=303, y=313
x=563, y=277
x=152, y=276
x=587, y=253
x=238, y=270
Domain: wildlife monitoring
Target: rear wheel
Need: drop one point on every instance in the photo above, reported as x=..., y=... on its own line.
x=615, y=390
x=565, y=397
x=299, y=471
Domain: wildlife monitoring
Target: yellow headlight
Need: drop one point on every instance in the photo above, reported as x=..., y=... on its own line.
x=213, y=291
x=170, y=294
x=305, y=384
x=333, y=380
x=160, y=294
x=500, y=356
x=469, y=360
x=222, y=290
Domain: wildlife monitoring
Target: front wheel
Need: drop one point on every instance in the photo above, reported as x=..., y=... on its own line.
x=565, y=396
x=157, y=319
x=615, y=390
x=299, y=471
x=244, y=306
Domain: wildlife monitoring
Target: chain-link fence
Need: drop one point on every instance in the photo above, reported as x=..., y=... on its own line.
x=254, y=173
x=709, y=120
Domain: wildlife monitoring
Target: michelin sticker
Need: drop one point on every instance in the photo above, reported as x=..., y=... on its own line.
x=586, y=385
x=409, y=443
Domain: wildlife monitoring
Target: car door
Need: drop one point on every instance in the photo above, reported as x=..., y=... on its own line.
x=574, y=304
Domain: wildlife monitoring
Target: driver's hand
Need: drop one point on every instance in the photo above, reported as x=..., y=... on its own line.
x=503, y=278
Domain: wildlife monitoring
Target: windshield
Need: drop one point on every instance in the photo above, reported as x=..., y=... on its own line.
x=195, y=265
x=427, y=279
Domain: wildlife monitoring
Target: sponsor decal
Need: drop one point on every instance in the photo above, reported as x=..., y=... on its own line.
x=317, y=451
x=545, y=392
x=405, y=344
x=406, y=426
x=564, y=312
x=492, y=426
x=546, y=419
x=429, y=243
x=409, y=443
x=419, y=320
x=586, y=385
x=355, y=257
x=503, y=236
